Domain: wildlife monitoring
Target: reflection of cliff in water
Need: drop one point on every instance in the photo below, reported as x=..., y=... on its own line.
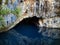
x=26, y=33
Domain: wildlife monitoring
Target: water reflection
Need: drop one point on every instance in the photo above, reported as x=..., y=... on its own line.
x=50, y=32
x=26, y=34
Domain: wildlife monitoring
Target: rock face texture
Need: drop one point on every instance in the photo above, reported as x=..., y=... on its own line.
x=48, y=12
x=50, y=22
x=44, y=14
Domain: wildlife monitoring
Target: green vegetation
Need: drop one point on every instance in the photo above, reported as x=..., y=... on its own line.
x=4, y=10
x=2, y=23
x=17, y=11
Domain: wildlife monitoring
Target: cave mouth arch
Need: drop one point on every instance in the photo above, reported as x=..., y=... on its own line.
x=28, y=27
x=29, y=21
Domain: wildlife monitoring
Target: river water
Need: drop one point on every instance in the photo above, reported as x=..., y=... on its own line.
x=26, y=34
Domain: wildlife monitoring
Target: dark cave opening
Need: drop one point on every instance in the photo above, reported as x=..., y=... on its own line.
x=30, y=21
x=29, y=27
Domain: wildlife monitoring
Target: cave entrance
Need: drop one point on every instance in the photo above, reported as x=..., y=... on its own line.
x=28, y=27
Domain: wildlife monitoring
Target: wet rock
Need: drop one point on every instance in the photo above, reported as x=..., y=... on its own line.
x=52, y=33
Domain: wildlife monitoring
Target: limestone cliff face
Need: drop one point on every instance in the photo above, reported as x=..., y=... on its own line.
x=47, y=9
